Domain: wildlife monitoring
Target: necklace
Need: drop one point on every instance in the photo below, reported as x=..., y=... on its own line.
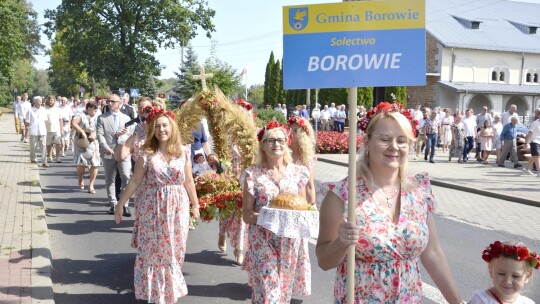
x=384, y=194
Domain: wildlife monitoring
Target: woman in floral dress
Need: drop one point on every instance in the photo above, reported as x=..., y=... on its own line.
x=446, y=126
x=163, y=211
x=303, y=150
x=394, y=222
x=278, y=267
x=486, y=135
x=458, y=139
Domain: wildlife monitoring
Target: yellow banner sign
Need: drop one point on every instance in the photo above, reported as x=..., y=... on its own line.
x=354, y=16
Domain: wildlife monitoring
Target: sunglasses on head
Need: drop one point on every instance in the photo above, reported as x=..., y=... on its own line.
x=112, y=101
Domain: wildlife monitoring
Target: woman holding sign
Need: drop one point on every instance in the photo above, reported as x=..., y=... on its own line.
x=394, y=222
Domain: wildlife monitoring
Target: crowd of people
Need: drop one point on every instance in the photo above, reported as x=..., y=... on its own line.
x=144, y=157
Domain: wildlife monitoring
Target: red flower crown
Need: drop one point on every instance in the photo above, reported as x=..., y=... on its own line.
x=270, y=125
x=386, y=107
x=518, y=252
x=299, y=121
x=158, y=111
x=246, y=105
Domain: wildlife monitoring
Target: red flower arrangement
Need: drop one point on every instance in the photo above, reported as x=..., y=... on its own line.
x=517, y=252
x=386, y=107
x=331, y=142
x=219, y=195
x=270, y=125
x=299, y=121
x=208, y=100
x=246, y=105
x=157, y=111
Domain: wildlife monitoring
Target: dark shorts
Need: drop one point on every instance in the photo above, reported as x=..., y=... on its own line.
x=535, y=149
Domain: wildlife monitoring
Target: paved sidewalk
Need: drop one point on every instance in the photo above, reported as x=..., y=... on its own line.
x=488, y=180
x=25, y=257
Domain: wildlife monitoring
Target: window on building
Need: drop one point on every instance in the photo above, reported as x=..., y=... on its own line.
x=535, y=80
x=494, y=76
x=501, y=76
x=528, y=78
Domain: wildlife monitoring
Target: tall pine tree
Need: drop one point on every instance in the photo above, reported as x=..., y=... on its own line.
x=186, y=84
x=268, y=79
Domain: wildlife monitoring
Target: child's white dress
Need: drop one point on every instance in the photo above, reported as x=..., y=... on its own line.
x=483, y=297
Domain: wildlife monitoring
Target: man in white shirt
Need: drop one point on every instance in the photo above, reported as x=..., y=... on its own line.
x=333, y=111
x=55, y=128
x=35, y=120
x=469, y=124
x=421, y=136
x=316, y=116
x=418, y=112
x=16, y=114
x=326, y=117
x=26, y=105
x=339, y=119
x=507, y=116
x=284, y=110
x=277, y=107
x=66, y=115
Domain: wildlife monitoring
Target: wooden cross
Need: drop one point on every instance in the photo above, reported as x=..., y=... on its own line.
x=202, y=77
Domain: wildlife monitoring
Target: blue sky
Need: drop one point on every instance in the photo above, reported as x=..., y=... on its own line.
x=246, y=32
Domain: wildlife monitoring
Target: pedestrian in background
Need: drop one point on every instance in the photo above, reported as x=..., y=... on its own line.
x=386, y=259
x=469, y=124
x=446, y=129
x=533, y=138
x=85, y=126
x=458, y=139
x=26, y=105
x=168, y=193
x=486, y=135
x=339, y=119
x=508, y=141
x=55, y=129
x=432, y=131
x=302, y=146
x=316, y=116
x=35, y=121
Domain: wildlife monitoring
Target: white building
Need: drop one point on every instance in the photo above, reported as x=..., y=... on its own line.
x=482, y=52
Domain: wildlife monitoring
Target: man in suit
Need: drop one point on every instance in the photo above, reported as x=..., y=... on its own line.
x=110, y=126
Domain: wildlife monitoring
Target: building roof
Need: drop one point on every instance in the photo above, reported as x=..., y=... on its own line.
x=491, y=88
x=502, y=25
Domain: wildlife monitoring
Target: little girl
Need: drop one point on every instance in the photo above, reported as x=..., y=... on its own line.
x=486, y=135
x=510, y=268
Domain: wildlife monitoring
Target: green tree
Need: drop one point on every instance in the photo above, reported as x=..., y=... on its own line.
x=225, y=76
x=166, y=85
x=268, y=80
x=149, y=88
x=65, y=77
x=19, y=41
x=256, y=95
x=280, y=94
x=117, y=40
x=42, y=86
x=337, y=96
x=186, y=86
x=365, y=96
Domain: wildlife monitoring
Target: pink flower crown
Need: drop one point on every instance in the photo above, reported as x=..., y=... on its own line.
x=386, y=107
x=270, y=125
x=155, y=111
x=246, y=105
x=299, y=121
x=517, y=252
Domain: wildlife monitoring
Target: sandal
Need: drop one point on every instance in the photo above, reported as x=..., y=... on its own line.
x=222, y=246
x=92, y=191
x=239, y=256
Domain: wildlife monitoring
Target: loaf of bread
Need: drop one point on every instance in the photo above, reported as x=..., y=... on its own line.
x=289, y=201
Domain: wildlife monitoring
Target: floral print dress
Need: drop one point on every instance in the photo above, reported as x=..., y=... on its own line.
x=163, y=222
x=387, y=253
x=278, y=267
x=458, y=140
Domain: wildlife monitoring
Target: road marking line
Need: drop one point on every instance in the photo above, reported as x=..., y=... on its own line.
x=465, y=222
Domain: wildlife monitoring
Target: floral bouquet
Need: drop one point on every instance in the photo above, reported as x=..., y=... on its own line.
x=219, y=195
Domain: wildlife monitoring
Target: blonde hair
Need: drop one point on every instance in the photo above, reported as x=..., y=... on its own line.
x=306, y=144
x=261, y=159
x=174, y=145
x=362, y=163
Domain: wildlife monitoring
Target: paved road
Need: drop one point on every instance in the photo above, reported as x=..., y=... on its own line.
x=93, y=262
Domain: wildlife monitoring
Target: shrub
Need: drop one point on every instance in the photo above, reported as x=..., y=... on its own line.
x=331, y=142
x=265, y=115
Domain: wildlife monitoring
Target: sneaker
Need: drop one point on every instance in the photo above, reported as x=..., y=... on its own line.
x=527, y=172
x=518, y=166
x=416, y=158
x=431, y=161
x=63, y=154
x=111, y=211
x=127, y=212
x=25, y=141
